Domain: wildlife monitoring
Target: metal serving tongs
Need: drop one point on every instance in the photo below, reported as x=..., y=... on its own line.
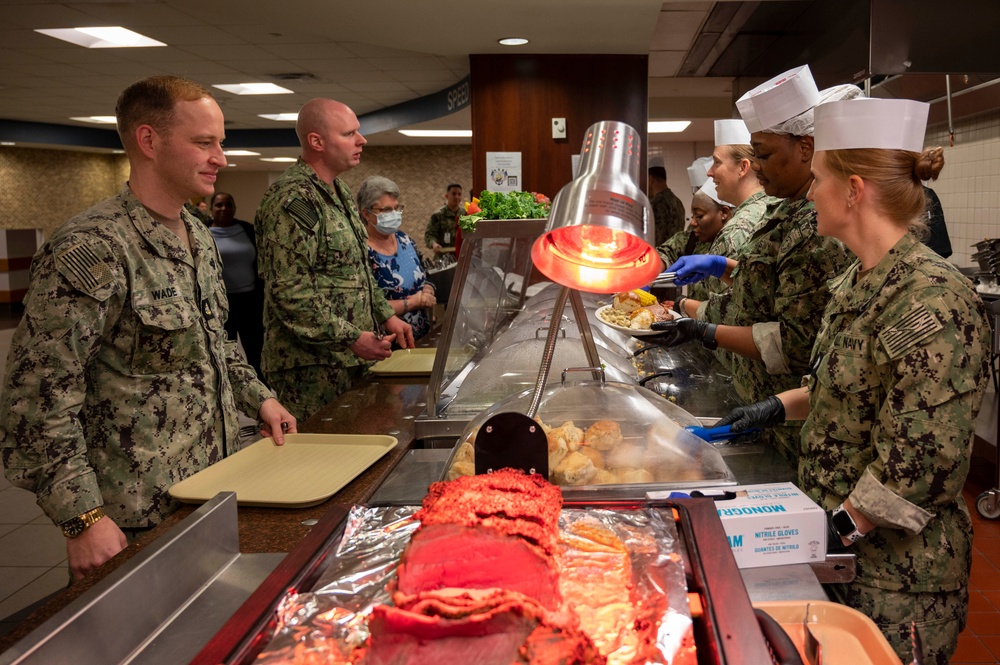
x=664, y=279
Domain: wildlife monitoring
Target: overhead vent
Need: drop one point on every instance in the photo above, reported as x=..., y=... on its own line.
x=295, y=76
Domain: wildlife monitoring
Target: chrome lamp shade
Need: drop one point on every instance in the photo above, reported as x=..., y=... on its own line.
x=600, y=234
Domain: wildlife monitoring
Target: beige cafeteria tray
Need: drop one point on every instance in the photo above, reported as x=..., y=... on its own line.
x=846, y=636
x=406, y=362
x=307, y=470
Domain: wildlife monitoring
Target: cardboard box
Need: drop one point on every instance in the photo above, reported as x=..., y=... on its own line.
x=772, y=525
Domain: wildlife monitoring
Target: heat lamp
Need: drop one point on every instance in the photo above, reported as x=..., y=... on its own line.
x=599, y=239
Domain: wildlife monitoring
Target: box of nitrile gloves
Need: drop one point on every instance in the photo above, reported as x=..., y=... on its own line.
x=771, y=525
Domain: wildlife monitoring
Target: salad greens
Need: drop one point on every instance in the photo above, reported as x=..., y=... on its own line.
x=500, y=205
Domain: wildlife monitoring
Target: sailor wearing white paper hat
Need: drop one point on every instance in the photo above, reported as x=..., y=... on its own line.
x=900, y=368
x=735, y=180
x=698, y=172
x=772, y=314
x=668, y=211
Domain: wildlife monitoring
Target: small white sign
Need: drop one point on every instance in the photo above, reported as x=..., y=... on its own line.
x=503, y=171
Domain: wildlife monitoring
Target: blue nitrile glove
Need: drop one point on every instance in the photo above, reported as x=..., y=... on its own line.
x=677, y=332
x=765, y=413
x=696, y=267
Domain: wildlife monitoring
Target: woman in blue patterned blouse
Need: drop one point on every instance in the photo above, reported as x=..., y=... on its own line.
x=395, y=261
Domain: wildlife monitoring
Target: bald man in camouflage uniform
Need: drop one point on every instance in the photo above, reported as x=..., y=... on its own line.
x=891, y=427
x=120, y=379
x=323, y=311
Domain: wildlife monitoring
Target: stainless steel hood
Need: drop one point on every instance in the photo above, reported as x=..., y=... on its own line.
x=904, y=48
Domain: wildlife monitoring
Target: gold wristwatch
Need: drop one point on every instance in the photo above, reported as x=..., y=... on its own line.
x=74, y=527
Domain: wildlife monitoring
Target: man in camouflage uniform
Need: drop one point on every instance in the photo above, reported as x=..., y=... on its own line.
x=901, y=365
x=440, y=232
x=324, y=315
x=120, y=379
x=668, y=211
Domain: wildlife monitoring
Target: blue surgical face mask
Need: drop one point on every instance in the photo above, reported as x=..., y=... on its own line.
x=388, y=222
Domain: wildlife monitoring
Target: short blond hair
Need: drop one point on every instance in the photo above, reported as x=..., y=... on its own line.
x=151, y=101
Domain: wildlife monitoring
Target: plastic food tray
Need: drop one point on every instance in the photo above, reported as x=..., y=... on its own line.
x=406, y=362
x=307, y=470
x=846, y=636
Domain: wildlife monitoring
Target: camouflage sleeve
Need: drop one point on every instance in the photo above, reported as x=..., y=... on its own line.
x=248, y=390
x=433, y=234
x=801, y=292
x=673, y=248
x=75, y=294
x=713, y=310
x=302, y=290
x=937, y=356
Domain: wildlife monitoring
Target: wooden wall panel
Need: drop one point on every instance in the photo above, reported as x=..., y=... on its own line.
x=515, y=97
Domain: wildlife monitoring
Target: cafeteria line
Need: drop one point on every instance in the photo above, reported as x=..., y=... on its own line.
x=644, y=386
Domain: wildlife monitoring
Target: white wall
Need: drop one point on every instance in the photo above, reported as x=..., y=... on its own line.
x=969, y=185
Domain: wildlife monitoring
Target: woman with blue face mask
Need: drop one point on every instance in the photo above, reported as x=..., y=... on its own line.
x=395, y=261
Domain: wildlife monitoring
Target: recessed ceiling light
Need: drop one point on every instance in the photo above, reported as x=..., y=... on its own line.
x=513, y=41
x=240, y=153
x=7, y=143
x=667, y=126
x=102, y=37
x=280, y=117
x=278, y=159
x=97, y=119
x=253, y=89
x=231, y=164
x=437, y=133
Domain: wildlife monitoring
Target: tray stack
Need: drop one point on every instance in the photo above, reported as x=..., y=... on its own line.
x=987, y=255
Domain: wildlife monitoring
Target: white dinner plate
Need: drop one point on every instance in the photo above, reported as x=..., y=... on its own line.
x=631, y=331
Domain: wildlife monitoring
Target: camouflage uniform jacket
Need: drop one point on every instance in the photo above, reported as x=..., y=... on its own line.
x=747, y=218
x=120, y=379
x=668, y=215
x=780, y=289
x=441, y=227
x=319, y=293
x=901, y=364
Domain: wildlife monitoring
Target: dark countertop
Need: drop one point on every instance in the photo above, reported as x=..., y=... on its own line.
x=377, y=405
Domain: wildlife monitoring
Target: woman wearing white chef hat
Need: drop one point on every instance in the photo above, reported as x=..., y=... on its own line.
x=770, y=317
x=710, y=217
x=899, y=370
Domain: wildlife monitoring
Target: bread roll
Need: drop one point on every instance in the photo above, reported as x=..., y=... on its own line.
x=627, y=476
x=641, y=319
x=558, y=449
x=604, y=477
x=466, y=452
x=603, y=435
x=627, y=301
x=461, y=469
x=595, y=455
x=570, y=433
x=574, y=469
x=625, y=456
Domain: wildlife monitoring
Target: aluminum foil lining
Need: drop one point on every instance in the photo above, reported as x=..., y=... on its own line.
x=329, y=622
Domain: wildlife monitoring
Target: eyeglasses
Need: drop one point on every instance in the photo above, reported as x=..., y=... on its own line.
x=379, y=211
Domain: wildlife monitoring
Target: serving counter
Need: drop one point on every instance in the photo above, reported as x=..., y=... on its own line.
x=393, y=405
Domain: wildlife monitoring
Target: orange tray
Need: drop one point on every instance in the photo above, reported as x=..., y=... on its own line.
x=846, y=636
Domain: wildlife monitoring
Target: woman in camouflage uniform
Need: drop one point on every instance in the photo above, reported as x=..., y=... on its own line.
x=899, y=371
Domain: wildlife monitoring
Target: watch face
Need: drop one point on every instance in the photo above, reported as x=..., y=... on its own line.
x=73, y=528
x=843, y=522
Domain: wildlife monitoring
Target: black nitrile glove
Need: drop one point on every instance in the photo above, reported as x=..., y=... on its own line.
x=834, y=545
x=677, y=332
x=765, y=413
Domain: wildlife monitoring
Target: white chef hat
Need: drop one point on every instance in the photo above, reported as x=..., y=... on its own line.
x=894, y=124
x=698, y=171
x=731, y=132
x=657, y=161
x=778, y=99
x=708, y=189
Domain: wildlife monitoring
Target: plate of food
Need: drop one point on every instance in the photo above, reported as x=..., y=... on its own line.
x=633, y=312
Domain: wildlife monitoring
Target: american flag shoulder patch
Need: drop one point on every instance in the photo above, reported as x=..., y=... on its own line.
x=912, y=329
x=303, y=212
x=85, y=267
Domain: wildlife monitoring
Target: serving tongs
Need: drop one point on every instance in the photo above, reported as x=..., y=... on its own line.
x=665, y=279
x=718, y=434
